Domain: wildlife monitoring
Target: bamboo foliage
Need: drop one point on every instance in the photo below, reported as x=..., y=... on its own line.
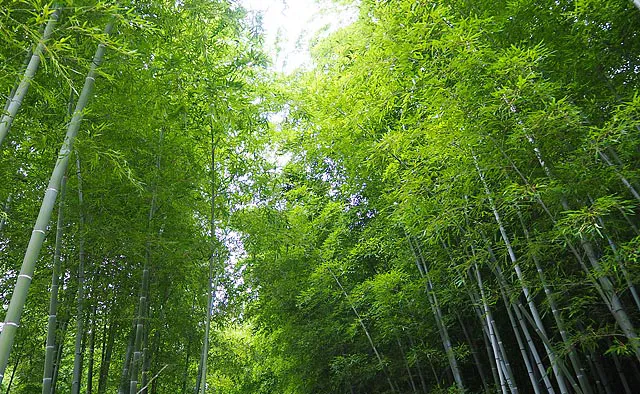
x=491, y=145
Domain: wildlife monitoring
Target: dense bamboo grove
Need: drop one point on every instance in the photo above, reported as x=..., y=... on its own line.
x=447, y=201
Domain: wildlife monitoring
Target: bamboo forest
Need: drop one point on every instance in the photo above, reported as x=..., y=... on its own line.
x=444, y=199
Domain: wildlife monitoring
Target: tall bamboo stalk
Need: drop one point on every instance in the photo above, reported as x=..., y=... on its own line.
x=92, y=338
x=19, y=296
x=604, y=286
x=210, y=290
x=144, y=286
x=366, y=331
x=53, y=303
x=573, y=355
x=474, y=353
x=506, y=289
x=106, y=359
x=78, y=354
x=491, y=332
x=437, y=312
x=124, y=377
x=16, y=100
x=525, y=290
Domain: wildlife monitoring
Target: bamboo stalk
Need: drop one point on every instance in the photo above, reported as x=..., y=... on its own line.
x=78, y=354
x=366, y=331
x=437, y=313
x=53, y=303
x=19, y=296
x=210, y=290
x=532, y=307
x=21, y=91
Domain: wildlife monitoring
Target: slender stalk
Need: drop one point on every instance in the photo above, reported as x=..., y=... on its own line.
x=19, y=296
x=505, y=290
x=406, y=364
x=492, y=337
x=516, y=266
x=53, y=303
x=92, y=338
x=185, y=374
x=419, y=368
x=13, y=374
x=627, y=277
x=573, y=356
x=210, y=289
x=124, y=377
x=474, y=354
x=623, y=179
x=488, y=343
x=106, y=359
x=437, y=313
x=602, y=283
x=60, y=348
x=21, y=91
x=366, y=331
x=623, y=378
x=78, y=355
x=144, y=287
x=606, y=289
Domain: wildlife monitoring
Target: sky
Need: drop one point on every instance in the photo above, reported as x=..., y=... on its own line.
x=290, y=24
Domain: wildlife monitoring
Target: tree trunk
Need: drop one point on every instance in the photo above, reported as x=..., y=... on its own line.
x=19, y=296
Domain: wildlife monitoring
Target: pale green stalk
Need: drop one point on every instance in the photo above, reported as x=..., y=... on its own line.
x=53, y=303
x=78, y=356
x=525, y=290
x=19, y=296
x=205, y=347
x=17, y=98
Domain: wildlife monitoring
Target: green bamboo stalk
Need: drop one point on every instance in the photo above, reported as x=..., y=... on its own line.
x=573, y=356
x=519, y=340
x=53, y=303
x=437, y=312
x=560, y=379
x=92, y=338
x=486, y=314
x=106, y=358
x=604, y=285
x=17, y=98
x=366, y=331
x=19, y=296
x=205, y=347
x=124, y=378
x=144, y=288
x=58, y=358
x=474, y=353
x=78, y=356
